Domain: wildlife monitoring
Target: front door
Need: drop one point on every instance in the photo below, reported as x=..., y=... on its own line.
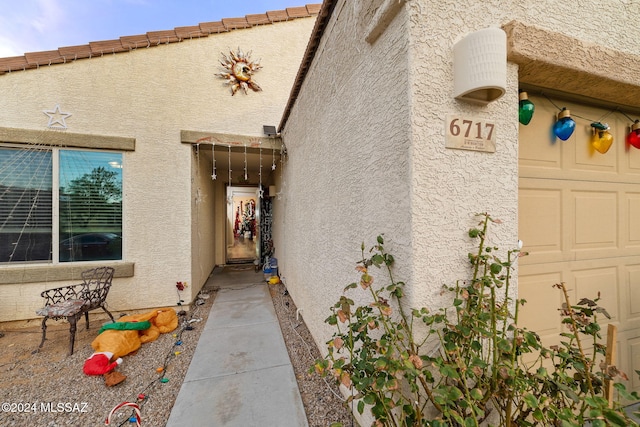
x=243, y=225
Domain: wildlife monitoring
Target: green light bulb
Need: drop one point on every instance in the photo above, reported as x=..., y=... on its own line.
x=525, y=109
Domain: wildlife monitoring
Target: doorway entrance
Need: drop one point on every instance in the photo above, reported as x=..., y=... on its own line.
x=243, y=225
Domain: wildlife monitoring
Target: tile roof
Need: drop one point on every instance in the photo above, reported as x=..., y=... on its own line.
x=153, y=38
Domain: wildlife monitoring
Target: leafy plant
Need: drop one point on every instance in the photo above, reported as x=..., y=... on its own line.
x=486, y=370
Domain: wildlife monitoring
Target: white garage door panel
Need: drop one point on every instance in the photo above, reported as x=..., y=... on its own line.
x=563, y=220
x=579, y=219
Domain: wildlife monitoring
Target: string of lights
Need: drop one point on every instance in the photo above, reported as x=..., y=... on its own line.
x=563, y=128
x=137, y=402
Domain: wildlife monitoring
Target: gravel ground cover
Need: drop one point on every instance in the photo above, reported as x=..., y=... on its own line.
x=322, y=400
x=49, y=389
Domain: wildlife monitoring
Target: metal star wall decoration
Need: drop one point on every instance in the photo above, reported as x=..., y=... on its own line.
x=57, y=118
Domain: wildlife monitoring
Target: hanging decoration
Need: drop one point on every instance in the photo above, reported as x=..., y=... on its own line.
x=57, y=118
x=565, y=125
x=525, y=108
x=246, y=175
x=260, y=191
x=273, y=160
x=229, y=196
x=214, y=176
x=282, y=183
x=634, y=136
x=601, y=139
x=239, y=71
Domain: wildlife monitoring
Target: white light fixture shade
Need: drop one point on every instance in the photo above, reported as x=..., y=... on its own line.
x=480, y=66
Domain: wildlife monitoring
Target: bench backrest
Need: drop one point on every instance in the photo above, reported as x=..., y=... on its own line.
x=97, y=282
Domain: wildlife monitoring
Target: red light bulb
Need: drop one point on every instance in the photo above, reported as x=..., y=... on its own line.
x=634, y=136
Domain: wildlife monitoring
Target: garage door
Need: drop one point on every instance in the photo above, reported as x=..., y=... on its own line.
x=579, y=219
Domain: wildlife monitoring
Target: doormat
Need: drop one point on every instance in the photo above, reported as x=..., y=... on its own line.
x=243, y=267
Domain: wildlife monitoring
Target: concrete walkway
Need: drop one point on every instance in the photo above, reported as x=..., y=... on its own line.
x=240, y=374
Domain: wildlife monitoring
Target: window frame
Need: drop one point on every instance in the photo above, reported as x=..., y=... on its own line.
x=32, y=272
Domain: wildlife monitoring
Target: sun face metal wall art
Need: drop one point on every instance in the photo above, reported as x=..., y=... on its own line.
x=240, y=71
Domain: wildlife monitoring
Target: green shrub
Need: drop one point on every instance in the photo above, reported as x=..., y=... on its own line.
x=477, y=375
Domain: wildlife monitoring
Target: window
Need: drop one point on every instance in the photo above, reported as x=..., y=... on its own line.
x=59, y=205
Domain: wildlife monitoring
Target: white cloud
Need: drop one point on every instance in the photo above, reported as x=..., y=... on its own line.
x=32, y=25
x=50, y=15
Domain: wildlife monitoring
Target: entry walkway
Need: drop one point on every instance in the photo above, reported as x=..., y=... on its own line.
x=240, y=374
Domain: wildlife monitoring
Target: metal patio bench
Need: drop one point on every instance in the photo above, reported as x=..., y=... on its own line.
x=71, y=302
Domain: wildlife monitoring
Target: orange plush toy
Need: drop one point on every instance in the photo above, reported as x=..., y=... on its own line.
x=121, y=341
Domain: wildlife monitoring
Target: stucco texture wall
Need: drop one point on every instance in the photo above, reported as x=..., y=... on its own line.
x=449, y=186
x=366, y=146
x=151, y=95
x=348, y=164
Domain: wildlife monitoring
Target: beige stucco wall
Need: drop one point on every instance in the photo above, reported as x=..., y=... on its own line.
x=151, y=95
x=449, y=186
x=348, y=172
x=203, y=202
x=366, y=146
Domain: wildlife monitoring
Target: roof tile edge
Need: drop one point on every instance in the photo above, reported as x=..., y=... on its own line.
x=66, y=54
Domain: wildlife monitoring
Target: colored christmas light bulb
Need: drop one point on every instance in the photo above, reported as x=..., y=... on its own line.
x=601, y=139
x=525, y=109
x=634, y=136
x=565, y=125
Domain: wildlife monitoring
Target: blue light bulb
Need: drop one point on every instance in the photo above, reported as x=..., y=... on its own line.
x=565, y=125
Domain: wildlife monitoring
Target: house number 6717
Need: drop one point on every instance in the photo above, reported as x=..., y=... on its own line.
x=455, y=128
x=470, y=134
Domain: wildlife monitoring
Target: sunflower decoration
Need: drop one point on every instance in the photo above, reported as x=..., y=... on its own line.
x=239, y=71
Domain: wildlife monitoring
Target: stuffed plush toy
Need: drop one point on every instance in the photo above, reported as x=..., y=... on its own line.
x=100, y=363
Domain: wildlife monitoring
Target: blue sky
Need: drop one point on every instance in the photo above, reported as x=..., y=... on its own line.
x=37, y=25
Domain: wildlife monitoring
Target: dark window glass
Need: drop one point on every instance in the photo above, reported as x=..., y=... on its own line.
x=88, y=209
x=25, y=205
x=90, y=206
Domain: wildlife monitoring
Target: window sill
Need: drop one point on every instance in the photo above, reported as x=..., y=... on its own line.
x=11, y=274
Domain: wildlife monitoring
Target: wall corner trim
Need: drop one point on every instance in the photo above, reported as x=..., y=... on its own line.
x=18, y=274
x=572, y=65
x=54, y=138
x=382, y=18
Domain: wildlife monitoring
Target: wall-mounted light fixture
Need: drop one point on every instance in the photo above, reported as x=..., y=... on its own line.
x=480, y=66
x=269, y=130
